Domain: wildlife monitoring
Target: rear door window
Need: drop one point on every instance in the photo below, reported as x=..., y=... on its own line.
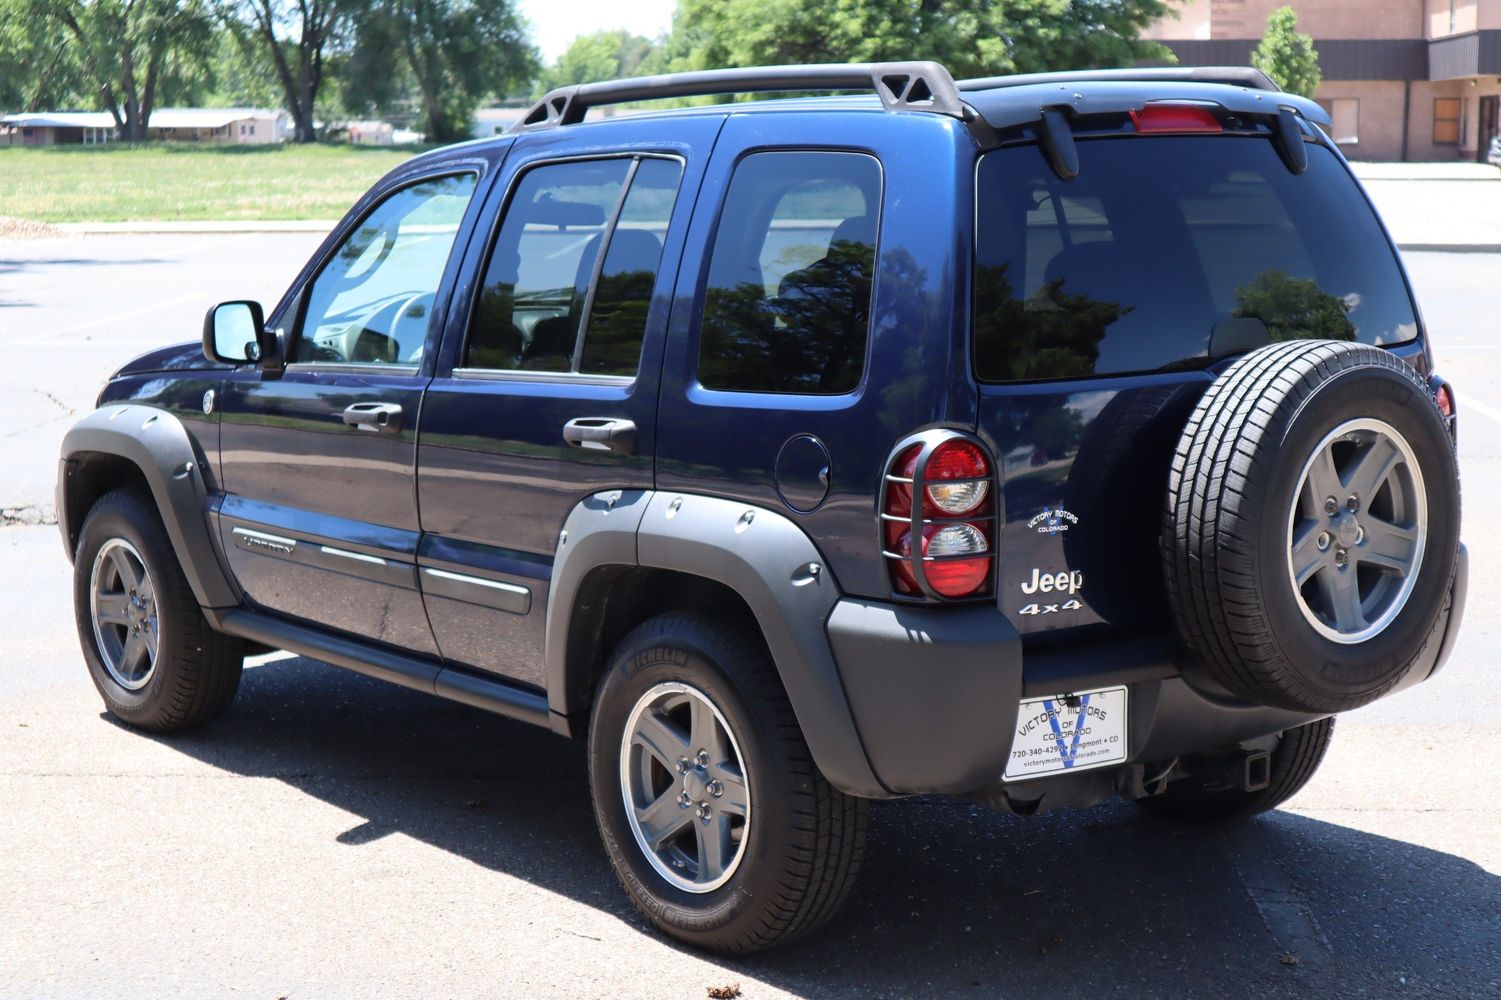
x=1168, y=252
x=550, y=302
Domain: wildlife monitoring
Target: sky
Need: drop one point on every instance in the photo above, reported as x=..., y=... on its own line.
x=555, y=23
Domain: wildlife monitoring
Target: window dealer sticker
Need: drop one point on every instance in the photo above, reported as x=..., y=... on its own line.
x=1072, y=732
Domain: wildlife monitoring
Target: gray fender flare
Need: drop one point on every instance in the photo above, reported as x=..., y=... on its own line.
x=761, y=555
x=156, y=442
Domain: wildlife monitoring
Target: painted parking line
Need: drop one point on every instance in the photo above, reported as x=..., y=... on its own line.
x=1484, y=409
x=1285, y=910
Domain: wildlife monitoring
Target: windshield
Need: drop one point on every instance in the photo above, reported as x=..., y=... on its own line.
x=1168, y=252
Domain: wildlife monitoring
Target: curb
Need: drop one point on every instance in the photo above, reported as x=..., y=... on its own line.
x=1449, y=247
x=197, y=228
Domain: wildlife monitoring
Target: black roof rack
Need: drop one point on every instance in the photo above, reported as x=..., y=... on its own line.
x=902, y=86
x=1234, y=76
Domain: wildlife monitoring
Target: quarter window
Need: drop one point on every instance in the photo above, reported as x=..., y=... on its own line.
x=372, y=301
x=787, y=306
x=550, y=302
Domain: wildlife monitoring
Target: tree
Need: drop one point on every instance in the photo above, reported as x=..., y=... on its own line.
x=1287, y=55
x=237, y=77
x=457, y=52
x=971, y=37
x=127, y=51
x=1294, y=308
x=296, y=35
x=602, y=55
x=40, y=69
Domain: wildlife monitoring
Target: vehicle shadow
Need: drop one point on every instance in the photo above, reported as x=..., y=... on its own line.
x=954, y=898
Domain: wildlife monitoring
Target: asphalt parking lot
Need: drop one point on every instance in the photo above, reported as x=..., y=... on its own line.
x=333, y=837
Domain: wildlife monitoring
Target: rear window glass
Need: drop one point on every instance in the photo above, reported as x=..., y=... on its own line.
x=1169, y=252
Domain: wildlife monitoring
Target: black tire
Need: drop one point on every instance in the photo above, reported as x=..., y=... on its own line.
x=1231, y=508
x=1298, y=755
x=196, y=670
x=803, y=841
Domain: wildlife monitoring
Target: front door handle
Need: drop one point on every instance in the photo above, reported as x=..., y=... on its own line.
x=601, y=434
x=377, y=417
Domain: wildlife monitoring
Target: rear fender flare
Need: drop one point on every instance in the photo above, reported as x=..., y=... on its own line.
x=756, y=552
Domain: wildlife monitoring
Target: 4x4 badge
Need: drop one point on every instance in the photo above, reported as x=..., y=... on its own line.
x=1052, y=521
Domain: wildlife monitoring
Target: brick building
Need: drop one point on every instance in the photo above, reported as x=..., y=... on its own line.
x=1403, y=80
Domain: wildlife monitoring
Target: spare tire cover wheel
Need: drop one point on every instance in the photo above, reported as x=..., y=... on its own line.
x=1312, y=525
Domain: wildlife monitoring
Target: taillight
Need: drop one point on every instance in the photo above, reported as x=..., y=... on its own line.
x=1444, y=396
x=955, y=517
x=1175, y=118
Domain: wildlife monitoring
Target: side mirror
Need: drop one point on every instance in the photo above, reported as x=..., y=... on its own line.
x=235, y=333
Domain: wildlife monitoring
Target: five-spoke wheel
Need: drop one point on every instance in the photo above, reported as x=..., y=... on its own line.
x=1356, y=531
x=123, y=604
x=683, y=781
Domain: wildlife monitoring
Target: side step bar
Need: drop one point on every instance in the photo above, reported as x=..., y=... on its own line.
x=490, y=694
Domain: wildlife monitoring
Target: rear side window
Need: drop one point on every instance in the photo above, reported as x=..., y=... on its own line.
x=787, y=307
x=549, y=303
x=1169, y=252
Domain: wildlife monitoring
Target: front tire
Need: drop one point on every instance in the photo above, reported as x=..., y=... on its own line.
x=152, y=655
x=714, y=816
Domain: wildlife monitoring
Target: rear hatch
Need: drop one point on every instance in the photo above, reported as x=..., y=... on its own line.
x=1106, y=303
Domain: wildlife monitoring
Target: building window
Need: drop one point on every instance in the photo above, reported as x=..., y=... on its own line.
x=1446, y=121
x=1345, y=111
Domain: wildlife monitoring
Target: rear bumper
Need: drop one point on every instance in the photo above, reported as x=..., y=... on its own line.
x=934, y=694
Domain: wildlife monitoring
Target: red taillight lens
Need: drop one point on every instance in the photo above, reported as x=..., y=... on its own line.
x=957, y=480
x=1175, y=118
x=956, y=519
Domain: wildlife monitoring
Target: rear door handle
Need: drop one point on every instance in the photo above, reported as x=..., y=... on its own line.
x=377, y=417
x=601, y=434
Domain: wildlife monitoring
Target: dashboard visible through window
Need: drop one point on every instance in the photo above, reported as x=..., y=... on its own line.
x=372, y=301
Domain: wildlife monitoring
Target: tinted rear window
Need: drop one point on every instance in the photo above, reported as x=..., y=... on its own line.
x=1166, y=252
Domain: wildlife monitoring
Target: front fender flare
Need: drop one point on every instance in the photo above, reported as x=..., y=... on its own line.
x=156, y=442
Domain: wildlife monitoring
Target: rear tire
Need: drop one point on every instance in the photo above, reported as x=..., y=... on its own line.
x=152, y=655
x=783, y=846
x=1297, y=756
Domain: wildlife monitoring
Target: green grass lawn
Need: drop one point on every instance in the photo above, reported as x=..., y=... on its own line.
x=179, y=182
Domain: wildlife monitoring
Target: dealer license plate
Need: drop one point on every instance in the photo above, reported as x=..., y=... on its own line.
x=1068, y=732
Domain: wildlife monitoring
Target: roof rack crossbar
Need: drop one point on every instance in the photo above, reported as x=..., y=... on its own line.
x=902, y=86
x=1234, y=76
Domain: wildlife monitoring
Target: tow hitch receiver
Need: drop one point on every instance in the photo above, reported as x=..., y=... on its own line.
x=1256, y=771
x=1242, y=770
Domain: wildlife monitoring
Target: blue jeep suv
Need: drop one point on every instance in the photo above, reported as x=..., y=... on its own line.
x=1034, y=439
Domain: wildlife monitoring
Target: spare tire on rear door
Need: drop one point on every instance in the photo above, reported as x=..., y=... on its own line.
x=1312, y=525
